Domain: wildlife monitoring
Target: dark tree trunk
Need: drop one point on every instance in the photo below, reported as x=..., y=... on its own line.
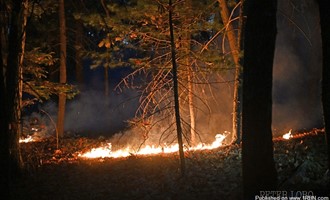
x=175, y=91
x=324, y=8
x=4, y=146
x=12, y=93
x=62, y=95
x=259, y=171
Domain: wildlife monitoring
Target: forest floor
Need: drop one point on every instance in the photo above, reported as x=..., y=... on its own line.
x=53, y=173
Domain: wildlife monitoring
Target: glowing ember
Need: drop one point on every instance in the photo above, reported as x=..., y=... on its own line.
x=27, y=139
x=105, y=151
x=287, y=135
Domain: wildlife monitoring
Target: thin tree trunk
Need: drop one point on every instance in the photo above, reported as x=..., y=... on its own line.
x=187, y=41
x=107, y=65
x=258, y=167
x=233, y=44
x=325, y=32
x=175, y=91
x=106, y=75
x=21, y=59
x=191, y=105
x=62, y=95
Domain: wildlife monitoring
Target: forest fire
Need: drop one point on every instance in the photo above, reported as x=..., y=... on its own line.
x=287, y=135
x=106, y=151
x=27, y=139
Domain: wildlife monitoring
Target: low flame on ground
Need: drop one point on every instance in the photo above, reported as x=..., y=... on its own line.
x=287, y=135
x=105, y=151
x=27, y=139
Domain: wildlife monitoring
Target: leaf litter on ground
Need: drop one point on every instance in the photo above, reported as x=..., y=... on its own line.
x=53, y=173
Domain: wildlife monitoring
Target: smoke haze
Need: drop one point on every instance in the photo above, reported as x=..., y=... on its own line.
x=297, y=67
x=296, y=90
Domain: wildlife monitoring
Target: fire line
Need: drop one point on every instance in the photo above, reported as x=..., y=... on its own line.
x=106, y=150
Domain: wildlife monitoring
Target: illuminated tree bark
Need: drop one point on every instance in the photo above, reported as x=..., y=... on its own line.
x=175, y=91
x=324, y=8
x=21, y=59
x=187, y=41
x=233, y=44
x=258, y=167
x=191, y=105
x=62, y=95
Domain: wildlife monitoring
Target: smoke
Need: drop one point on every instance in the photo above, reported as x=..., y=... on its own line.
x=297, y=68
x=93, y=113
x=296, y=91
x=213, y=108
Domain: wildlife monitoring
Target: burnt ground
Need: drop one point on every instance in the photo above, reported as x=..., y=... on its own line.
x=210, y=174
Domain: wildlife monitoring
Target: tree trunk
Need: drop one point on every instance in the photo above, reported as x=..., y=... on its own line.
x=12, y=92
x=191, y=105
x=187, y=41
x=21, y=59
x=62, y=95
x=175, y=91
x=233, y=44
x=4, y=146
x=259, y=173
x=4, y=139
x=325, y=32
x=106, y=75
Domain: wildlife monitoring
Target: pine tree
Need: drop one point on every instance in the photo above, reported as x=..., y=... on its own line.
x=193, y=27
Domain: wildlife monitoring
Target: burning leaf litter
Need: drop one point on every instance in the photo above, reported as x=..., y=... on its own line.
x=287, y=135
x=26, y=139
x=106, y=150
x=211, y=174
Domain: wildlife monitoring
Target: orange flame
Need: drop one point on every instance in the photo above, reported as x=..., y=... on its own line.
x=105, y=151
x=27, y=139
x=287, y=135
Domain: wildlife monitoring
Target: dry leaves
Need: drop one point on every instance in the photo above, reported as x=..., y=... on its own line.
x=211, y=174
